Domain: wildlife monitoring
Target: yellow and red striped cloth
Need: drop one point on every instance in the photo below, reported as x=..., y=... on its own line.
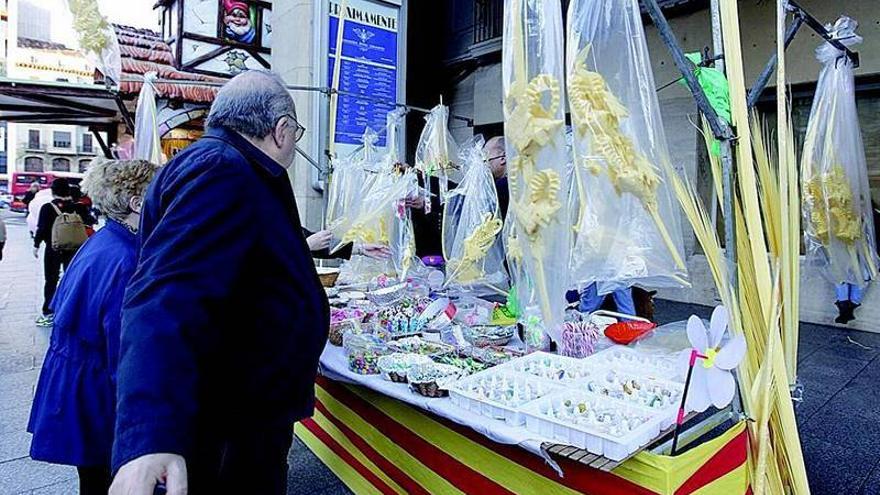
x=378, y=445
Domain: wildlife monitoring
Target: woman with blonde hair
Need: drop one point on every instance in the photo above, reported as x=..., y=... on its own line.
x=74, y=409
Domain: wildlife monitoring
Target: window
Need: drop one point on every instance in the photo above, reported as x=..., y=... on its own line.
x=61, y=165
x=87, y=143
x=84, y=166
x=33, y=164
x=61, y=139
x=34, y=139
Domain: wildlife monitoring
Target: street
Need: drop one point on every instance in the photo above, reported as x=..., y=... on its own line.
x=838, y=417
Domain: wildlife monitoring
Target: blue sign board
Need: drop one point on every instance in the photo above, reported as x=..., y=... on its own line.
x=367, y=79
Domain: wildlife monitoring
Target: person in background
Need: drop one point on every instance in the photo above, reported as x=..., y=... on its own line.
x=55, y=260
x=225, y=318
x=31, y=192
x=2, y=236
x=590, y=300
x=319, y=245
x=73, y=413
x=496, y=158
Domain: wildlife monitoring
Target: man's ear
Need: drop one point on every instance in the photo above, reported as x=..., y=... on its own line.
x=278, y=131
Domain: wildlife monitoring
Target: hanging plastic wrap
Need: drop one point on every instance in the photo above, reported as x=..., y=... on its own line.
x=96, y=38
x=435, y=152
x=627, y=228
x=350, y=181
x=147, y=145
x=534, y=113
x=472, y=227
x=402, y=240
x=838, y=222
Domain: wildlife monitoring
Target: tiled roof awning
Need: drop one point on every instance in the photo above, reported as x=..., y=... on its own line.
x=144, y=51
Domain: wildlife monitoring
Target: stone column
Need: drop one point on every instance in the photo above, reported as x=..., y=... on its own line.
x=294, y=36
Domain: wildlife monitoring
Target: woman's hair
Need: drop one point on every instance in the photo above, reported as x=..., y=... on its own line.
x=112, y=183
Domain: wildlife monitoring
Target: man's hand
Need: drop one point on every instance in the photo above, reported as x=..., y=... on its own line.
x=319, y=240
x=37, y=253
x=140, y=476
x=416, y=202
x=375, y=251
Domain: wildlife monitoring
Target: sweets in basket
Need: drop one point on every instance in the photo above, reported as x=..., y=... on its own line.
x=418, y=345
x=363, y=352
x=344, y=320
x=433, y=380
x=488, y=335
x=395, y=367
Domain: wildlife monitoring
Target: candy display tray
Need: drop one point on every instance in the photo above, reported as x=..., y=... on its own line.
x=472, y=401
x=573, y=370
x=621, y=357
x=667, y=414
x=584, y=437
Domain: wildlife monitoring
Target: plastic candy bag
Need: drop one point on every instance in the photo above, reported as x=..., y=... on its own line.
x=350, y=180
x=436, y=151
x=627, y=225
x=534, y=114
x=838, y=222
x=472, y=226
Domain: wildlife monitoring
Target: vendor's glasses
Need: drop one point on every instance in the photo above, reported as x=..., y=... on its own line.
x=299, y=131
x=496, y=157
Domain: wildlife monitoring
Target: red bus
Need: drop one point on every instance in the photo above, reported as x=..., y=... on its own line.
x=21, y=182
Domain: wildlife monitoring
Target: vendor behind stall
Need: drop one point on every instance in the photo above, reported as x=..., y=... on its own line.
x=496, y=159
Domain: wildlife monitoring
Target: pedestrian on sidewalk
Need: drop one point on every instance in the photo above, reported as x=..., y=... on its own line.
x=55, y=259
x=225, y=318
x=73, y=414
x=2, y=236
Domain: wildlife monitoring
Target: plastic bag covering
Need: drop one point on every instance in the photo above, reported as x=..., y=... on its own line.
x=350, y=181
x=435, y=152
x=534, y=114
x=838, y=223
x=627, y=228
x=402, y=237
x=472, y=227
x=97, y=38
x=147, y=145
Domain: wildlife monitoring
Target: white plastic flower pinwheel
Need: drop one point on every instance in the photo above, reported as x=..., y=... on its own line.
x=712, y=381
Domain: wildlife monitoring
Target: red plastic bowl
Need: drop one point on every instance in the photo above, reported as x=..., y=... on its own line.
x=625, y=332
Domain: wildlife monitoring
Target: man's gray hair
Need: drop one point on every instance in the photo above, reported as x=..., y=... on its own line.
x=251, y=103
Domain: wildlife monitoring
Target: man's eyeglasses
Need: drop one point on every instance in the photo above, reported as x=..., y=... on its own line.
x=496, y=158
x=299, y=131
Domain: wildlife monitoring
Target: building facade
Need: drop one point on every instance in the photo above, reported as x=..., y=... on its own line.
x=42, y=147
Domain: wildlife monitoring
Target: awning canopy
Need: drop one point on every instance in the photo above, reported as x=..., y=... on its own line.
x=58, y=103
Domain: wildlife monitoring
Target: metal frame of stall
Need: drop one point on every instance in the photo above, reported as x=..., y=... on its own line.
x=722, y=131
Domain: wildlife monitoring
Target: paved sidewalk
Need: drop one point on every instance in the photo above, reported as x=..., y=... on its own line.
x=838, y=418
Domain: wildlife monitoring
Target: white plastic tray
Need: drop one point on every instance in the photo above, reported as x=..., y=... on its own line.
x=551, y=367
x=587, y=437
x=668, y=412
x=462, y=394
x=646, y=365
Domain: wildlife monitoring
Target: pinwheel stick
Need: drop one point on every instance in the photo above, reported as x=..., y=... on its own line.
x=695, y=354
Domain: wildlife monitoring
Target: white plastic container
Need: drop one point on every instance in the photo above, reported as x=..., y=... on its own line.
x=552, y=367
x=647, y=365
x=477, y=393
x=540, y=419
x=633, y=389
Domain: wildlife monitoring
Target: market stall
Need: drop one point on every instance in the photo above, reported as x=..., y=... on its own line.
x=420, y=393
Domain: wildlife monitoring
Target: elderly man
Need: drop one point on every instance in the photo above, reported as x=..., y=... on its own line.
x=496, y=157
x=225, y=318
